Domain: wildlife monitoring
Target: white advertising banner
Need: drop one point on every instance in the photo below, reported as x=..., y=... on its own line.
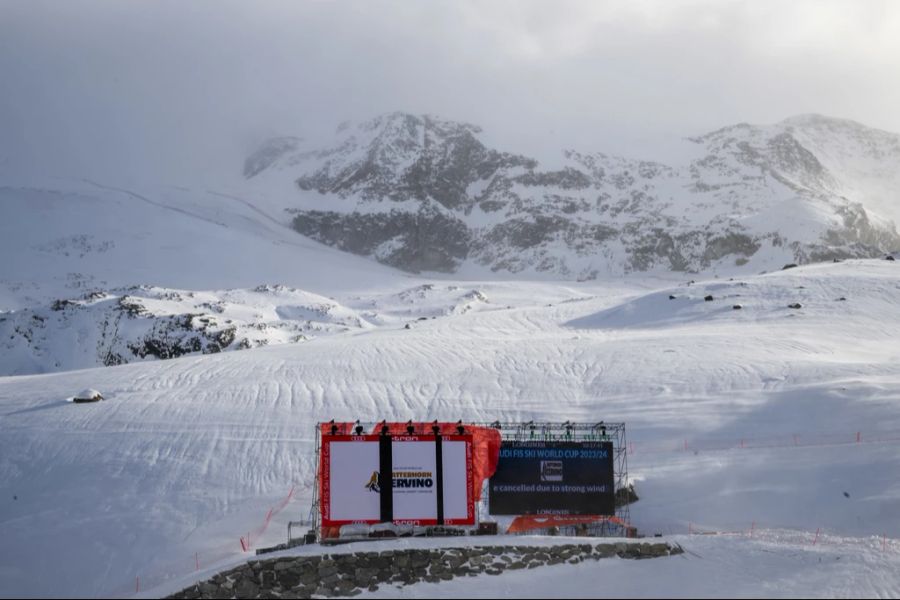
x=457, y=481
x=352, y=483
x=415, y=480
x=354, y=490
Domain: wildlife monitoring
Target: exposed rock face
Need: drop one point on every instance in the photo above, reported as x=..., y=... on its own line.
x=426, y=240
x=348, y=574
x=425, y=194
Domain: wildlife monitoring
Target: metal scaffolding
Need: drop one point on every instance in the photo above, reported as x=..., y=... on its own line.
x=547, y=431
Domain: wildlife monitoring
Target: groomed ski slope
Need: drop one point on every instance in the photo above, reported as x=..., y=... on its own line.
x=187, y=455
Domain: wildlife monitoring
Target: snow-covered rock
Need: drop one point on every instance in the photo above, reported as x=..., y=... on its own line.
x=104, y=328
x=87, y=395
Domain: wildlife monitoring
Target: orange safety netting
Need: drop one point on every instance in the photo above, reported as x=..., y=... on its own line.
x=486, y=455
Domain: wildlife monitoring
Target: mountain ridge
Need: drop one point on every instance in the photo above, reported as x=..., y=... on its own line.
x=423, y=193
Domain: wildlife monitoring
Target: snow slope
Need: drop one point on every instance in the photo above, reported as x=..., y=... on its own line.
x=100, y=275
x=187, y=455
x=62, y=238
x=123, y=325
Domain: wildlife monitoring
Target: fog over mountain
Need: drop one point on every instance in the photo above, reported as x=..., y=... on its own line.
x=165, y=92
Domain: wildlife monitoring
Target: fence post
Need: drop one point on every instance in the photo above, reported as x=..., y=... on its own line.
x=857, y=436
x=752, y=525
x=137, y=584
x=197, y=561
x=817, y=536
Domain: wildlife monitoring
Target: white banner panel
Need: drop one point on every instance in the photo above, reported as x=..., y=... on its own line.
x=353, y=480
x=415, y=480
x=456, y=480
x=352, y=485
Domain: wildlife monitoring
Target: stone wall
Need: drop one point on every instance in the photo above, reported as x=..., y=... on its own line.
x=348, y=574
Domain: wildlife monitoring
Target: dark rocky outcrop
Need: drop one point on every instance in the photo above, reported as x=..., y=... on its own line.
x=427, y=240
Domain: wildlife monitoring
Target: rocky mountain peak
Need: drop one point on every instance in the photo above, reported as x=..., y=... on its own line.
x=424, y=193
x=402, y=157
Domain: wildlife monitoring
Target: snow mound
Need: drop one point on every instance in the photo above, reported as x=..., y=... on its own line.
x=87, y=395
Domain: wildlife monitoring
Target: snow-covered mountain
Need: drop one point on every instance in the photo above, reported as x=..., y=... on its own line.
x=422, y=194
x=426, y=194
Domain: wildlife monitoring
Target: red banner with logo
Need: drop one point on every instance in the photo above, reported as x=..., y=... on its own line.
x=530, y=522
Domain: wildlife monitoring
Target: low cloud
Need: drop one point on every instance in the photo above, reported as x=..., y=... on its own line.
x=176, y=91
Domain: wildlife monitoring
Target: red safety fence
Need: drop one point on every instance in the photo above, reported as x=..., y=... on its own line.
x=247, y=542
x=181, y=567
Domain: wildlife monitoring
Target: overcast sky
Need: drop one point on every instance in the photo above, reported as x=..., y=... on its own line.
x=182, y=90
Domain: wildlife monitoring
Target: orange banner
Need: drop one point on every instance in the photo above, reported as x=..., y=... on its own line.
x=529, y=522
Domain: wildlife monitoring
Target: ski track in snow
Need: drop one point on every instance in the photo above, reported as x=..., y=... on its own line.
x=162, y=205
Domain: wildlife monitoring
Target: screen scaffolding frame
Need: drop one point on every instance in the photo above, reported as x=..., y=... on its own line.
x=524, y=431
